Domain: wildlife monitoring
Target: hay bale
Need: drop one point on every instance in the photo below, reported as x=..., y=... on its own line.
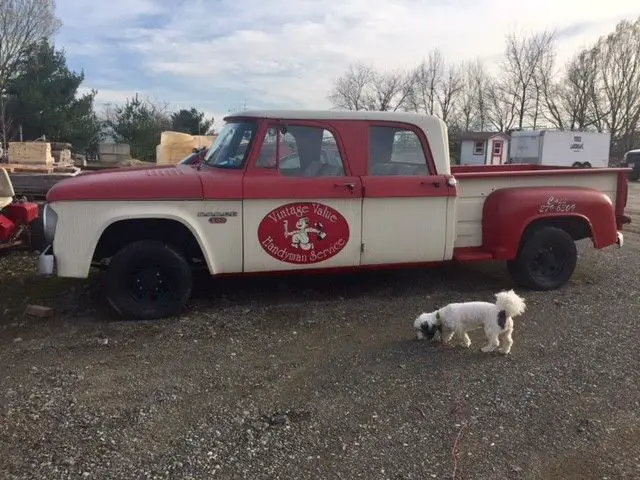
x=204, y=140
x=38, y=153
x=172, y=154
x=175, y=146
x=60, y=146
x=175, y=138
x=62, y=156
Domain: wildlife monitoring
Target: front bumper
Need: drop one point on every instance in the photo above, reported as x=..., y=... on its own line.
x=47, y=262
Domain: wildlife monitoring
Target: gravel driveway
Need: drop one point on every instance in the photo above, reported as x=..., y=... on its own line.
x=320, y=378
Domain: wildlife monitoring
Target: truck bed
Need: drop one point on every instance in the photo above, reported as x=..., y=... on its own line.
x=476, y=182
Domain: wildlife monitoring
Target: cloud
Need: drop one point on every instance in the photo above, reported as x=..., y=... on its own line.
x=286, y=53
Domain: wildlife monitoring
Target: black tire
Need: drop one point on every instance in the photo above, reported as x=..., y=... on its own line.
x=546, y=260
x=148, y=280
x=586, y=165
x=576, y=165
x=36, y=235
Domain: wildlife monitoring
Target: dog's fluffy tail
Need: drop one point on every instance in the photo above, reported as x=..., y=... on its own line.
x=510, y=302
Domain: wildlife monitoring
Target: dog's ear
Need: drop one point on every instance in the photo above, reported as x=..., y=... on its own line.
x=438, y=315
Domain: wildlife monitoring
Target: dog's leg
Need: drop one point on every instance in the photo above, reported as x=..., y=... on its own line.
x=446, y=337
x=466, y=341
x=506, y=343
x=492, y=344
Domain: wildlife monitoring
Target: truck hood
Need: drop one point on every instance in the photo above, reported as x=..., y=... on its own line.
x=147, y=183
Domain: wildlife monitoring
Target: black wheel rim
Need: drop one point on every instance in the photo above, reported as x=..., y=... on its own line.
x=549, y=263
x=151, y=285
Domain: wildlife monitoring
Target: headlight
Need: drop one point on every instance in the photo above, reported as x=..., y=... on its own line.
x=49, y=222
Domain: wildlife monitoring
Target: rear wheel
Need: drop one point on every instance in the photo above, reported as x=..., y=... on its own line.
x=148, y=280
x=586, y=165
x=546, y=260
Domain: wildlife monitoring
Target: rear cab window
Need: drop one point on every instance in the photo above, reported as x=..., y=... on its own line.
x=397, y=151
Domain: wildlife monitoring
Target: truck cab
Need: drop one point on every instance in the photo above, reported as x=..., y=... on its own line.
x=297, y=191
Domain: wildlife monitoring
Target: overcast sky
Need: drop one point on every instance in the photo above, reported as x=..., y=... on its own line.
x=218, y=55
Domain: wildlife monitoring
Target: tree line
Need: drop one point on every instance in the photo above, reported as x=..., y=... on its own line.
x=597, y=90
x=39, y=93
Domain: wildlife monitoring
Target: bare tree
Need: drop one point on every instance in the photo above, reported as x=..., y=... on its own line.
x=472, y=97
x=618, y=59
x=543, y=82
x=481, y=85
x=389, y=90
x=501, y=105
x=525, y=59
x=449, y=92
x=350, y=91
x=6, y=122
x=467, y=101
x=427, y=77
x=364, y=88
x=22, y=23
x=574, y=102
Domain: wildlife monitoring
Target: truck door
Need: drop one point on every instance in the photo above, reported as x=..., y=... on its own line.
x=407, y=208
x=302, y=207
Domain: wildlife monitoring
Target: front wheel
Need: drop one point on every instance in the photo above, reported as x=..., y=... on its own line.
x=148, y=280
x=546, y=260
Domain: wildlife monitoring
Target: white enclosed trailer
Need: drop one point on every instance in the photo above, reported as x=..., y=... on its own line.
x=560, y=148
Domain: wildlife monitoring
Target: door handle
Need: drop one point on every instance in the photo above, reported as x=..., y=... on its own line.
x=349, y=186
x=435, y=183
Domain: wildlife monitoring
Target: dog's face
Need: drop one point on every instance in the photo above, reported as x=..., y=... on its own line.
x=426, y=325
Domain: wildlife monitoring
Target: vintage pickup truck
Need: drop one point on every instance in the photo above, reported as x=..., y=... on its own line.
x=323, y=190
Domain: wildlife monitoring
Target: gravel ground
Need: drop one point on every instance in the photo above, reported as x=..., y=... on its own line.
x=314, y=378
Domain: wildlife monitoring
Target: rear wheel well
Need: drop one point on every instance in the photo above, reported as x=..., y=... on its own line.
x=124, y=232
x=577, y=227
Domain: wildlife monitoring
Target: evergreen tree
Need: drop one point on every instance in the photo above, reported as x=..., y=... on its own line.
x=42, y=98
x=139, y=123
x=191, y=121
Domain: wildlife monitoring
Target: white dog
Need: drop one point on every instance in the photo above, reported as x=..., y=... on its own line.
x=497, y=320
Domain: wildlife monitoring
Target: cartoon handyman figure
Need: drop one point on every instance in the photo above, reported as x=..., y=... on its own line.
x=300, y=238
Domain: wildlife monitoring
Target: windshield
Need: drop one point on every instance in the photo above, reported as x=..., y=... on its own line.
x=232, y=145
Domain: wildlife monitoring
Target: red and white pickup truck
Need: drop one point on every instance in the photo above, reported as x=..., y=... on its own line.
x=323, y=190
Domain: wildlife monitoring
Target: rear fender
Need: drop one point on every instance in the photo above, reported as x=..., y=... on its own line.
x=509, y=212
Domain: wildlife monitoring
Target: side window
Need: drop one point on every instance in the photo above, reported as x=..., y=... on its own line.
x=478, y=148
x=302, y=152
x=396, y=151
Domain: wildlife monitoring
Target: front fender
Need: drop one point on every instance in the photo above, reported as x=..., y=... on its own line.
x=508, y=212
x=81, y=224
x=160, y=214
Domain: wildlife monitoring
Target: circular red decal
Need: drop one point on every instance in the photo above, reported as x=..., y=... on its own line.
x=303, y=233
